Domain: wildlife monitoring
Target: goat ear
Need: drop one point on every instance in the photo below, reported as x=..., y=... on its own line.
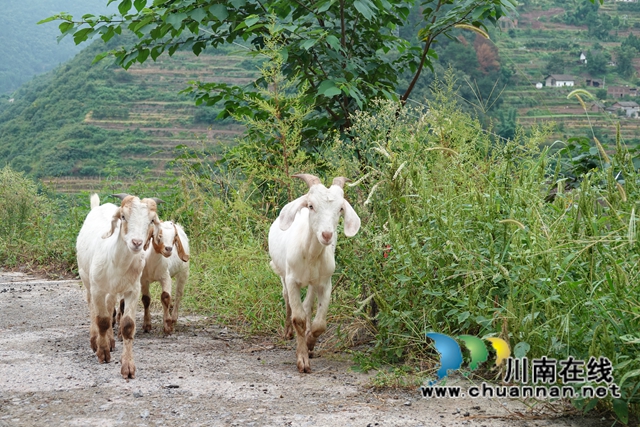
x=114, y=223
x=351, y=220
x=184, y=256
x=288, y=213
x=149, y=237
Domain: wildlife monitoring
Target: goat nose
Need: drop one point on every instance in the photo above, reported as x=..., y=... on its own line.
x=168, y=248
x=136, y=242
x=327, y=235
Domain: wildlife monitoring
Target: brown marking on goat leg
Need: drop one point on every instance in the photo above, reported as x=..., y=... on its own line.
x=312, y=337
x=103, y=324
x=146, y=301
x=288, y=329
x=166, y=303
x=166, y=299
x=103, y=343
x=128, y=369
x=128, y=327
x=94, y=342
x=112, y=341
x=302, y=352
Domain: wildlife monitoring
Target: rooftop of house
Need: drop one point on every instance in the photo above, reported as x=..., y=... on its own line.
x=560, y=77
x=628, y=104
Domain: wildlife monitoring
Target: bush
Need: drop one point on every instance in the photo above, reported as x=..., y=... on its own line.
x=458, y=238
x=21, y=208
x=35, y=229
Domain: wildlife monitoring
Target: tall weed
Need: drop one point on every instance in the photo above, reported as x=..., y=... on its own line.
x=458, y=238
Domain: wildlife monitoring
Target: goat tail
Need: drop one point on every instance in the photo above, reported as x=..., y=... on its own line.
x=95, y=201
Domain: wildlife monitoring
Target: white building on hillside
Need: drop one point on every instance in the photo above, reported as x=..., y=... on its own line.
x=559, y=80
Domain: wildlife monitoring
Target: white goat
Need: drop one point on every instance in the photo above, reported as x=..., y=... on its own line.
x=110, y=262
x=302, y=242
x=163, y=264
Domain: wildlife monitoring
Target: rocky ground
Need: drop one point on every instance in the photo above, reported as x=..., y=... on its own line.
x=203, y=375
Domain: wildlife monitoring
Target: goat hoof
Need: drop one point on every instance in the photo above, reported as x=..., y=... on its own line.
x=112, y=343
x=94, y=343
x=104, y=355
x=146, y=328
x=303, y=365
x=168, y=327
x=128, y=369
x=304, y=369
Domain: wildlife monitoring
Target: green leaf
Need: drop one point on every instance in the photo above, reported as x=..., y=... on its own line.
x=175, y=19
x=136, y=26
x=463, y=316
x=82, y=35
x=308, y=44
x=142, y=55
x=521, y=349
x=65, y=27
x=621, y=409
x=156, y=52
x=329, y=89
x=49, y=19
x=219, y=11
x=198, y=14
x=140, y=4
x=589, y=406
x=324, y=6
x=333, y=42
x=99, y=57
x=238, y=3
x=627, y=375
x=400, y=277
x=124, y=7
x=108, y=34
x=251, y=20
x=365, y=8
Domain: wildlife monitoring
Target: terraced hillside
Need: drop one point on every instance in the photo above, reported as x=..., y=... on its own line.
x=168, y=118
x=539, y=37
x=83, y=122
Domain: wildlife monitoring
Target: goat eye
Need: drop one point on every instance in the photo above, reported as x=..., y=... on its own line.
x=310, y=207
x=123, y=217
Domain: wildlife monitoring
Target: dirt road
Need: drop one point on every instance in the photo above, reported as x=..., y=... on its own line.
x=204, y=375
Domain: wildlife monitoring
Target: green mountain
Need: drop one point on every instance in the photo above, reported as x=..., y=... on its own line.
x=86, y=120
x=28, y=49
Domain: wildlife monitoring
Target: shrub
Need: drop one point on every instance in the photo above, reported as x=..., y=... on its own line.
x=458, y=238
